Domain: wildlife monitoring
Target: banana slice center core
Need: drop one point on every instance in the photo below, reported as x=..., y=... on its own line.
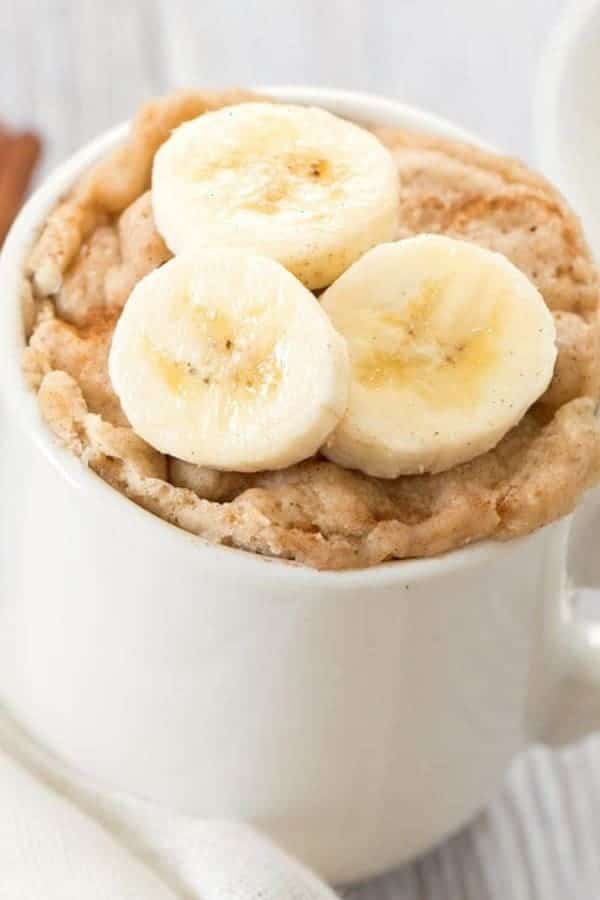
x=405, y=350
x=244, y=359
x=266, y=181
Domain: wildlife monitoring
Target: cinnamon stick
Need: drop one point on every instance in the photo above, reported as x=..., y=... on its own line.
x=19, y=152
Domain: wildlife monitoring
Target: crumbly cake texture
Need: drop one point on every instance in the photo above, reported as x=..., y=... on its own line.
x=101, y=240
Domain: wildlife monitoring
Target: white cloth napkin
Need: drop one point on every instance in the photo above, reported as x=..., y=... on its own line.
x=62, y=838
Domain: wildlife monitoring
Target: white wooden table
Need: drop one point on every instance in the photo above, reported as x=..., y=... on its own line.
x=73, y=68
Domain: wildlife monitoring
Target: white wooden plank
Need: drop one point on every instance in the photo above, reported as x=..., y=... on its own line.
x=117, y=69
x=39, y=72
x=233, y=43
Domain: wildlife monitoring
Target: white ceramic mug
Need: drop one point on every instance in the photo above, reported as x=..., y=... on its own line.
x=357, y=717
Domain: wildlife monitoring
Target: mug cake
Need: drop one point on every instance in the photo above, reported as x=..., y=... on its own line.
x=315, y=339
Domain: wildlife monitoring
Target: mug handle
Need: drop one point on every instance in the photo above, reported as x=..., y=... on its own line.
x=575, y=650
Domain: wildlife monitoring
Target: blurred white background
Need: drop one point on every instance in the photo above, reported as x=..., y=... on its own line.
x=73, y=68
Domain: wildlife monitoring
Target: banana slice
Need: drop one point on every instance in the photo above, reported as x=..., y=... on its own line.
x=224, y=359
x=449, y=345
x=294, y=183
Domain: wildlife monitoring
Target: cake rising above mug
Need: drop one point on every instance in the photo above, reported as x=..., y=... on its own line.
x=441, y=390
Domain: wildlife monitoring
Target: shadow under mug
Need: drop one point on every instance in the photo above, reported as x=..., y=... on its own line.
x=357, y=717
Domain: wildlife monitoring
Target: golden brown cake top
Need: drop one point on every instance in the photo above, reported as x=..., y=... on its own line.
x=101, y=240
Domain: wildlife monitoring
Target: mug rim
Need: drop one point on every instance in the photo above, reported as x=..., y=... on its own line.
x=24, y=407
